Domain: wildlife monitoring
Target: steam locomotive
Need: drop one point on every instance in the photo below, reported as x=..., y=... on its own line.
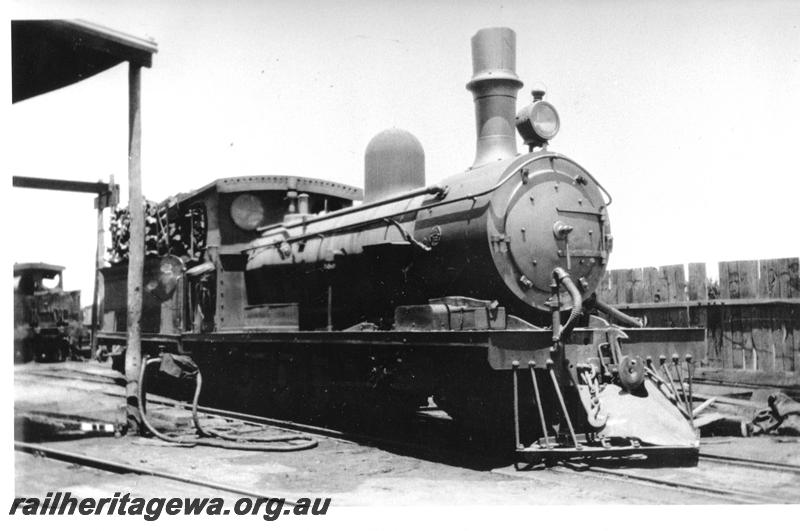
x=477, y=293
x=48, y=322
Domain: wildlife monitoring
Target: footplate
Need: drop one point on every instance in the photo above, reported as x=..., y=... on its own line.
x=536, y=454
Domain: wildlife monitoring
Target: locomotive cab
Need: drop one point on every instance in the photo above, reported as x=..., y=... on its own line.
x=47, y=320
x=194, y=267
x=33, y=278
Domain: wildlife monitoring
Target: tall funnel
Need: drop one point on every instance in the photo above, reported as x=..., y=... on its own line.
x=494, y=86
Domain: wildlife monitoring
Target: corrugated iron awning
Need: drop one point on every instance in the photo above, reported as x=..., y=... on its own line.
x=51, y=54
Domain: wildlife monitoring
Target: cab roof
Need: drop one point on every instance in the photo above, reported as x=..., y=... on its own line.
x=48, y=270
x=250, y=183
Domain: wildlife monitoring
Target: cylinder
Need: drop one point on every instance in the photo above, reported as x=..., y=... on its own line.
x=494, y=86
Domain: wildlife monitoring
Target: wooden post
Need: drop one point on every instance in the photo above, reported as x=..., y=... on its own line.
x=98, y=264
x=133, y=355
x=106, y=199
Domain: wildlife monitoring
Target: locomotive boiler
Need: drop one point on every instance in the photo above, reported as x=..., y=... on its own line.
x=477, y=292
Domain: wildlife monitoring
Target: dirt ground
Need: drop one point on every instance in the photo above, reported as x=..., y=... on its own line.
x=349, y=473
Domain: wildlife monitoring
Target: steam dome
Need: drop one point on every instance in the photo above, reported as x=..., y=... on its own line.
x=394, y=162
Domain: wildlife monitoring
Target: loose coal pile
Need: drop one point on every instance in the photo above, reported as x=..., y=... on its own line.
x=166, y=232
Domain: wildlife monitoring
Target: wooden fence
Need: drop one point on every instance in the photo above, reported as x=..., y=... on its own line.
x=751, y=317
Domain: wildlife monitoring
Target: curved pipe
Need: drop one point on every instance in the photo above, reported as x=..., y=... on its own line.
x=408, y=237
x=562, y=277
x=618, y=315
x=140, y=396
x=229, y=442
x=430, y=190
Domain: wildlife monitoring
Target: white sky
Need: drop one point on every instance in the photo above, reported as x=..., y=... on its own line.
x=686, y=111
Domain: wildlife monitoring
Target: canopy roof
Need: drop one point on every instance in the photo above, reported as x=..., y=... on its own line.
x=51, y=54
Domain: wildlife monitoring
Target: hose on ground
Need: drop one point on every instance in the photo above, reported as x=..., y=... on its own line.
x=211, y=437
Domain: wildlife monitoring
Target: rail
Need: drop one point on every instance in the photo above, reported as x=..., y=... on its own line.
x=124, y=468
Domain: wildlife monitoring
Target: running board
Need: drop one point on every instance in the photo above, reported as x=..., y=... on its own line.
x=538, y=454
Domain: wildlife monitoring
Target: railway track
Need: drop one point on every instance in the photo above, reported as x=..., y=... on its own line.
x=725, y=494
x=751, y=463
x=702, y=484
x=705, y=479
x=120, y=467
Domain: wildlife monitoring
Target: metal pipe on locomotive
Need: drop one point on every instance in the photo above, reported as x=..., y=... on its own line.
x=478, y=292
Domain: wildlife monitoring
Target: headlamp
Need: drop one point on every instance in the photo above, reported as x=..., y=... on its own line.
x=538, y=122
